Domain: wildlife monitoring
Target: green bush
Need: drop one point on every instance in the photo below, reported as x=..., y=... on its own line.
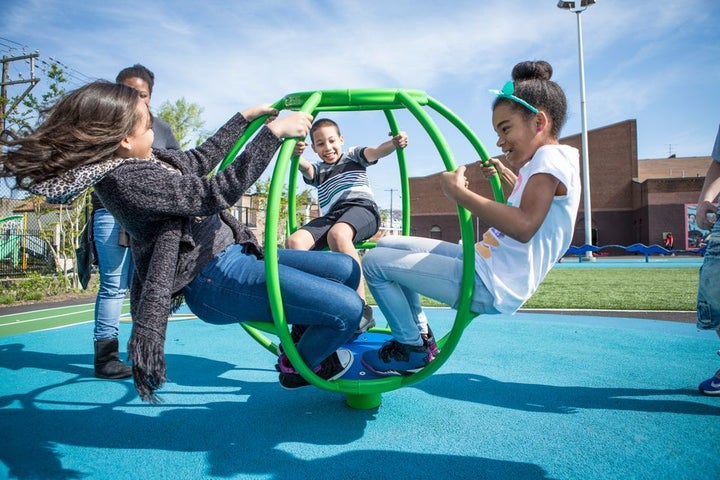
x=36, y=287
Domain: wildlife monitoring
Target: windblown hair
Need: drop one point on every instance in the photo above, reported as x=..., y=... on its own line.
x=322, y=122
x=137, y=71
x=84, y=127
x=533, y=84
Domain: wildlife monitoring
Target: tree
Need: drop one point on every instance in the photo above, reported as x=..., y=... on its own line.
x=185, y=120
x=262, y=190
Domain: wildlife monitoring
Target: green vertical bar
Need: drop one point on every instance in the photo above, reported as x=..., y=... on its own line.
x=402, y=167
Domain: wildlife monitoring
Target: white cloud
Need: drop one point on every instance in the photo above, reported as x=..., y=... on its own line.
x=229, y=55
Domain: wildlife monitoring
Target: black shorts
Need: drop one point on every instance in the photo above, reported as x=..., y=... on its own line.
x=363, y=220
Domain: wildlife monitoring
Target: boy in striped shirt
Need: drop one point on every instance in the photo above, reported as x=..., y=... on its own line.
x=348, y=208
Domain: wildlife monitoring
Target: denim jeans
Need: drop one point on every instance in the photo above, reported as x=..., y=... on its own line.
x=708, y=299
x=400, y=269
x=116, y=268
x=317, y=288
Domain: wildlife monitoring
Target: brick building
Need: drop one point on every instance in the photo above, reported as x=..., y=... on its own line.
x=633, y=201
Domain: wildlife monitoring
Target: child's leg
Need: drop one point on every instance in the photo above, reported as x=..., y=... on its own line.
x=708, y=297
x=354, y=224
x=396, y=277
x=116, y=270
x=300, y=240
x=421, y=245
x=312, y=235
x=340, y=239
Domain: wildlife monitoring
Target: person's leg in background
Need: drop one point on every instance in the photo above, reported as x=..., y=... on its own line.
x=708, y=301
x=116, y=269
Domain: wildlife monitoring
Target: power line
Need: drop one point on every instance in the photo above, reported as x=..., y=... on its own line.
x=77, y=77
x=70, y=69
x=13, y=41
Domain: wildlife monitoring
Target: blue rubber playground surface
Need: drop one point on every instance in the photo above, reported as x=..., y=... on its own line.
x=655, y=261
x=529, y=396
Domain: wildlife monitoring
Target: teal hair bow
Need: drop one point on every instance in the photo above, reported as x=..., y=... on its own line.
x=508, y=91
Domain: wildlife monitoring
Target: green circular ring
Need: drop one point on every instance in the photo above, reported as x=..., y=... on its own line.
x=363, y=394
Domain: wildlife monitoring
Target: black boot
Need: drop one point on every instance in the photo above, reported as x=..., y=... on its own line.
x=107, y=360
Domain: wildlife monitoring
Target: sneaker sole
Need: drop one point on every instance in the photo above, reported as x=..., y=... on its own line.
x=397, y=373
x=711, y=393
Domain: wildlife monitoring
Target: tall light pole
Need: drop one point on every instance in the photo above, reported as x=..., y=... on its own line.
x=391, y=190
x=577, y=7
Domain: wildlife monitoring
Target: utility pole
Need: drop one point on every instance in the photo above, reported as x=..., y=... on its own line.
x=6, y=82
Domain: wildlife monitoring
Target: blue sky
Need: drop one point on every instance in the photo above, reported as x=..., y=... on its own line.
x=657, y=61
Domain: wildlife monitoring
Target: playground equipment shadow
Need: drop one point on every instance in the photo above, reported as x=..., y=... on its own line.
x=530, y=396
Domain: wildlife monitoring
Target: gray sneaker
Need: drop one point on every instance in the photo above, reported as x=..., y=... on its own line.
x=367, y=321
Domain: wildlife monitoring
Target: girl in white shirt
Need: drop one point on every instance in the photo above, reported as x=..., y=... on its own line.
x=527, y=235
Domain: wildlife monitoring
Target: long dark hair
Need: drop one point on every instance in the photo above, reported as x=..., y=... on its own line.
x=84, y=127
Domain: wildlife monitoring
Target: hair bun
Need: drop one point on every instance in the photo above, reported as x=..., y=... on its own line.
x=532, y=70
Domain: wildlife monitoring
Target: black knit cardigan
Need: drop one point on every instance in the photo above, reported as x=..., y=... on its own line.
x=157, y=207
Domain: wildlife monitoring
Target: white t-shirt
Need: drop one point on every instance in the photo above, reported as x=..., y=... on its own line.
x=512, y=270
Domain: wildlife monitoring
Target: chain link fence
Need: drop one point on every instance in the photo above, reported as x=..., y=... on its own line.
x=24, y=252
x=30, y=240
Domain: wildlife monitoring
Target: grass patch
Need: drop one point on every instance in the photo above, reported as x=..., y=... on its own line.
x=618, y=289
x=672, y=289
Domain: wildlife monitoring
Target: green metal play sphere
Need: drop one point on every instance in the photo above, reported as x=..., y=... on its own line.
x=361, y=394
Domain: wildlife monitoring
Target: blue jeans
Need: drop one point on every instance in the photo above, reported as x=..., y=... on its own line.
x=317, y=288
x=708, y=299
x=116, y=268
x=400, y=269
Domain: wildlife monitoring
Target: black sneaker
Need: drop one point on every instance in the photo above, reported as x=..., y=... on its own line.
x=331, y=368
x=367, y=321
x=296, y=332
x=395, y=358
x=429, y=343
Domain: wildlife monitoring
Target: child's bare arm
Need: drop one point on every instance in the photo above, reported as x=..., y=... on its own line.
x=305, y=167
x=520, y=223
x=493, y=166
x=373, y=154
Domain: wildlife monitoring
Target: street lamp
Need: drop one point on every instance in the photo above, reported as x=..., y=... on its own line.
x=578, y=7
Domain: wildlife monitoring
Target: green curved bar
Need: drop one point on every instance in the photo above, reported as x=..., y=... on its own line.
x=363, y=394
x=291, y=203
x=474, y=141
x=404, y=182
x=271, y=256
x=353, y=99
x=463, y=317
x=254, y=329
x=249, y=132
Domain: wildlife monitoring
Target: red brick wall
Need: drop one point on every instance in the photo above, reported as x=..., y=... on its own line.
x=624, y=211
